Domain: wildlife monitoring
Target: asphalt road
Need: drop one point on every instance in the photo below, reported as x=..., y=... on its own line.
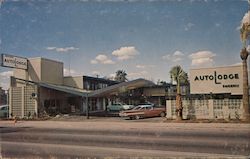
x=98, y=139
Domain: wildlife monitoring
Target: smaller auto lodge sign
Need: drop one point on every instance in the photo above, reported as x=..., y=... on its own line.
x=14, y=61
x=217, y=80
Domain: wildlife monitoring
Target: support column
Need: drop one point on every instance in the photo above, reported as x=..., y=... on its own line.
x=225, y=109
x=87, y=106
x=10, y=102
x=169, y=109
x=104, y=103
x=211, y=109
x=23, y=102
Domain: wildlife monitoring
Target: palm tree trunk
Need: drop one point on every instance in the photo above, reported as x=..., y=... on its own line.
x=178, y=103
x=244, y=55
x=178, y=107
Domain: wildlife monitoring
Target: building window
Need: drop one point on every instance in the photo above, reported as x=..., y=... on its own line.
x=86, y=85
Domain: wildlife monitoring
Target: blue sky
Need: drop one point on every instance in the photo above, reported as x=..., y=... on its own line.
x=143, y=37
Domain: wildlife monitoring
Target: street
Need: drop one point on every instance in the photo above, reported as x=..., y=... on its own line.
x=123, y=139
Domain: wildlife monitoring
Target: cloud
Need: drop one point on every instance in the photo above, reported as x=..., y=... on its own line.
x=95, y=73
x=112, y=75
x=6, y=74
x=202, y=58
x=188, y=26
x=217, y=24
x=237, y=64
x=137, y=74
x=70, y=72
x=125, y=53
x=61, y=49
x=144, y=66
x=4, y=79
x=140, y=66
x=102, y=59
x=175, y=57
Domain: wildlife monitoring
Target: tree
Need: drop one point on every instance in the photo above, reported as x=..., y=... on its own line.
x=121, y=76
x=180, y=77
x=245, y=35
x=161, y=83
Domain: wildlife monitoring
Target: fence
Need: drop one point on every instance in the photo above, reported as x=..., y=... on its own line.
x=207, y=108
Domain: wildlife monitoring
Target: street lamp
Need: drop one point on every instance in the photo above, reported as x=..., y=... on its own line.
x=245, y=35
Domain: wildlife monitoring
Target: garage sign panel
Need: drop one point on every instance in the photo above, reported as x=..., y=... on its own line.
x=14, y=61
x=217, y=80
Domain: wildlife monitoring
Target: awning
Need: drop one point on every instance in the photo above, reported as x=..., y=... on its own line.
x=104, y=92
x=70, y=90
x=121, y=87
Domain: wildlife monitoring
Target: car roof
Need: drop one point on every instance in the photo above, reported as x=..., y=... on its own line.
x=147, y=105
x=3, y=106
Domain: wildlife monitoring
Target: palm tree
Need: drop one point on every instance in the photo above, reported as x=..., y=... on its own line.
x=121, y=76
x=245, y=35
x=180, y=77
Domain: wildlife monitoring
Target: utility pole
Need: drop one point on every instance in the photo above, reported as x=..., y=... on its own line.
x=87, y=106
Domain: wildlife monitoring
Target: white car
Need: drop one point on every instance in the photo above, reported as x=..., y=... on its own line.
x=4, y=111
x=119, y=107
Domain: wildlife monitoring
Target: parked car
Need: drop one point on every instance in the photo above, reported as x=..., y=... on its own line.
x=119, y=107
x=4, y=111
x=146, y=104
x=143, y=111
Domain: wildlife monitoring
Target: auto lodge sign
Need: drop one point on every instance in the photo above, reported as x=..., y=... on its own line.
x=217, y=80
x=14, y=61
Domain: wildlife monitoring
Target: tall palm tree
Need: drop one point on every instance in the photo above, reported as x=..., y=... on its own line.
x=121, y=76
x=245, y=35
x=178, y=75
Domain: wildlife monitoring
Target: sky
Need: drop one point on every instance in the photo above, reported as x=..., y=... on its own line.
x=146, y=38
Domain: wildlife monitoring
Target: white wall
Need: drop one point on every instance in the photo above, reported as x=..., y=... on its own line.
x=207, y=109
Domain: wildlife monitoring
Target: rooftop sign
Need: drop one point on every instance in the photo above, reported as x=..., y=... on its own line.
x=217, y=80
x=14, y=61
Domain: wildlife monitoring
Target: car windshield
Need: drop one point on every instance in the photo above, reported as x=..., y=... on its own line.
x=3, y=107
x=137, y=108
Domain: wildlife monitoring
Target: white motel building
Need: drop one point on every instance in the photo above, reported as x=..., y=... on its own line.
x=38, y=86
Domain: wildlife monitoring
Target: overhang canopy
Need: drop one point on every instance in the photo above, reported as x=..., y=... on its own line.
x=70, y=90
x=121, y=87
x=104, y=92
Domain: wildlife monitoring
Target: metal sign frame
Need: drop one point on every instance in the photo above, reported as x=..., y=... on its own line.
x=15, y=63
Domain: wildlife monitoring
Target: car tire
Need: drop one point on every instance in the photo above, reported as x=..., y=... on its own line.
x=163, y=114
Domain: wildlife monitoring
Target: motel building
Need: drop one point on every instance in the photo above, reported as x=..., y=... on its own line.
x=39, y=88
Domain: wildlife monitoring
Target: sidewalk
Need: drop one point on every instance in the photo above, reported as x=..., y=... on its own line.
x=111, y=123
